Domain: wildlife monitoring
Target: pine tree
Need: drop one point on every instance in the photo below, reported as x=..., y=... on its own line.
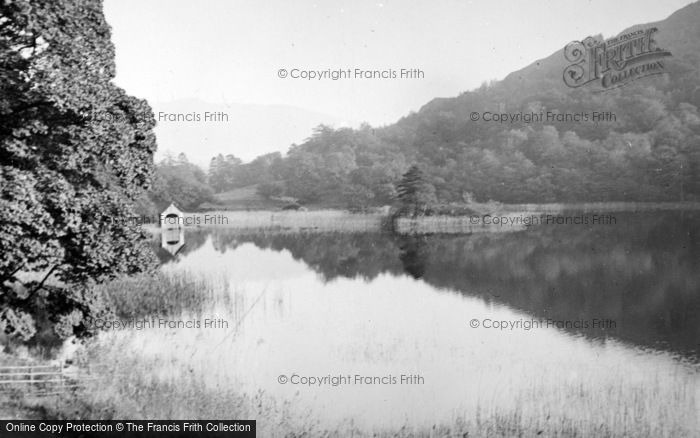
x=414, y=192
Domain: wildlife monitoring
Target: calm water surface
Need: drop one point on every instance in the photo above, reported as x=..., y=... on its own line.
x=593, y=316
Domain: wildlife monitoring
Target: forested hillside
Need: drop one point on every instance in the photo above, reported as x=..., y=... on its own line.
x=648, y=150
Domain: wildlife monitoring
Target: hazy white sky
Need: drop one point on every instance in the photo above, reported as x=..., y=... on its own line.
x=231, y=50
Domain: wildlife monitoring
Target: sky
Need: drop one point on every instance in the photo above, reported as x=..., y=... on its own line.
x=231, y=51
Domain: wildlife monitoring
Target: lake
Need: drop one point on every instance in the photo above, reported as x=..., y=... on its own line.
x=589, y=329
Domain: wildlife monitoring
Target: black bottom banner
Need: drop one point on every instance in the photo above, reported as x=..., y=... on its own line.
x=127, y=428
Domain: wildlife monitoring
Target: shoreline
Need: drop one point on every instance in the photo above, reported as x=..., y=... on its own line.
x=491, y=217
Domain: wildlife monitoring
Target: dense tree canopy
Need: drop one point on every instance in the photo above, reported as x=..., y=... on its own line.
x=75, y=152
x=178, y=181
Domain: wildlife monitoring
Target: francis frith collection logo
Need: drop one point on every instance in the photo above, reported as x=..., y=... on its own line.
x=614, y=62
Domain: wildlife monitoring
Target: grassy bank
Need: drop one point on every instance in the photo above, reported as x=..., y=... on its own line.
x=136, y=388
x=245, y=198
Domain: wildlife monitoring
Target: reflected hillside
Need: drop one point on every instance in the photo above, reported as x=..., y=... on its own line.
x=641, y=273
x=332, y=255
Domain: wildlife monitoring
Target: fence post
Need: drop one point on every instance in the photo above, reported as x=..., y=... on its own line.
x=60, y=376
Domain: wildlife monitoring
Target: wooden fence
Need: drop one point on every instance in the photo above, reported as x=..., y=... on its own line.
x=39, y=380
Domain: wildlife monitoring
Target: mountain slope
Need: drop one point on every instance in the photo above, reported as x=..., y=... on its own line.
x=643, y=145
x=679, y=33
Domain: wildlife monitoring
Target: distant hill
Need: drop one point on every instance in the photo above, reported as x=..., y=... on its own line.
x=680, y=33
x=649, y=152
x=250, y=130
x=644, y=147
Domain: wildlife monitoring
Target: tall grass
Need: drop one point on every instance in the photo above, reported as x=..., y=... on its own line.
x=166, y=293
x=454, y=225
x=599, y=207
x=132, y=388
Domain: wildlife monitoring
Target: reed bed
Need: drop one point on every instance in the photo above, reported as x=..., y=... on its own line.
x=164, y=293
x=599, y=207
x=131, y=388
x=318, y=220
x=458, y=224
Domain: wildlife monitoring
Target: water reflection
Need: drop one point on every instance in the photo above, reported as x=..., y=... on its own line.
x=172, y=239
x=642, y=274
x=377, y=305
x=413, y=253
